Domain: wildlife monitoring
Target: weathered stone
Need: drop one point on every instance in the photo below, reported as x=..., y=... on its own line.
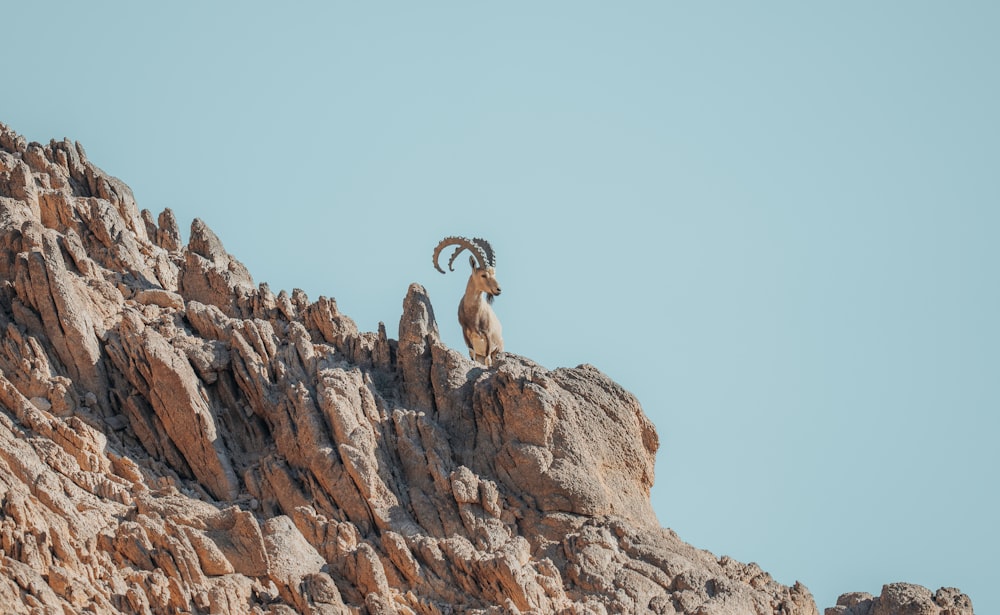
x=164, y=376
x=168, y=233
x=291, y=559
x=210, y=275
x=903, y=599
x=159, y=297
x=417, y=331
x=174, y=439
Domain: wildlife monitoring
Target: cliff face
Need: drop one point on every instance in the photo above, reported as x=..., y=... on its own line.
x=175, y=438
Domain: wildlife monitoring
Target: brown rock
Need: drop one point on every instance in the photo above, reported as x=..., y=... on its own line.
x=417, y=331
x=174, y=439
x=166, y=379
x=904, y=599
x=211, y=275
x=63, y=306
x=546, y=431
x=292, y=560
x=159, y=297
x=168, y=233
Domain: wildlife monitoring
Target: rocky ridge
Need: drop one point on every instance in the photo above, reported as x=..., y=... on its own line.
x=177, y=439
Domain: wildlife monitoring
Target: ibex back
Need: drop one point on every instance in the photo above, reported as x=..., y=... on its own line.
x=480, y=325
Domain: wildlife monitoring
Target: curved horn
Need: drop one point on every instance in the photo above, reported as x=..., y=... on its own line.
x=454, y=255
x=491, y=258
x=463, y=244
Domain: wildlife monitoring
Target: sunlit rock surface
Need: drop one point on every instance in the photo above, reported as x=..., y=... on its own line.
x=177, y=439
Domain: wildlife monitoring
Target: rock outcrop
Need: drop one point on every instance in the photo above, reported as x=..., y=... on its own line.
x=177, y=439
x=904, y=599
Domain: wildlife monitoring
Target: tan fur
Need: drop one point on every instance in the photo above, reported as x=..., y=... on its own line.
x=480, y=325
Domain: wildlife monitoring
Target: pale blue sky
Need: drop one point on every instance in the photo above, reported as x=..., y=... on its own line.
x=775, y=222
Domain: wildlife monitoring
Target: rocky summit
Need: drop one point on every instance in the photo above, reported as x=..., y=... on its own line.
x=177, y=439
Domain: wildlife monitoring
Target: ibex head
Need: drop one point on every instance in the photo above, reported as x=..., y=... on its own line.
x=482, y=261
x=479, y=324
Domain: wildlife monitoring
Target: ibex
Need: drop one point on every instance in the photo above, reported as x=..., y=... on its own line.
x=480, y=326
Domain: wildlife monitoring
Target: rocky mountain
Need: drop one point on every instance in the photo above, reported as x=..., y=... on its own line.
x=177, y=439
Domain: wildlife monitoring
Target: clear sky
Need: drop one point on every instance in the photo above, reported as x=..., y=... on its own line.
x=775, y=222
